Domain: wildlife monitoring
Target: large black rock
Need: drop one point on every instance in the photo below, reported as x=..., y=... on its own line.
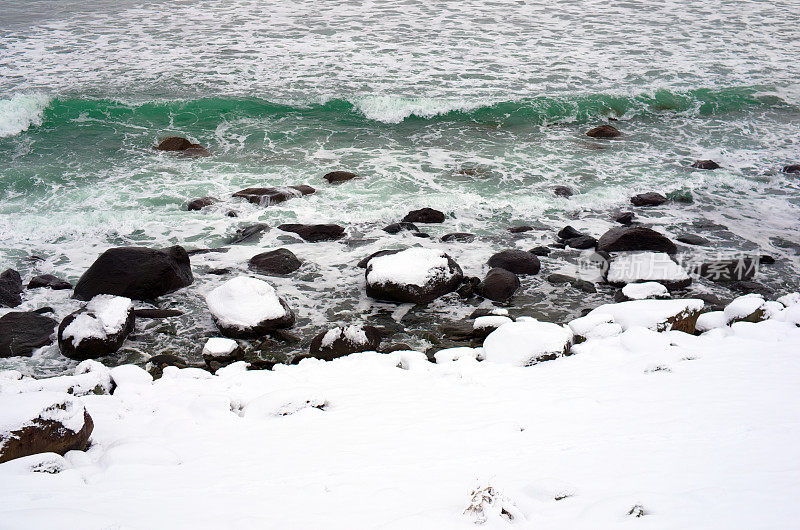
x=516, y=261
x=10, y=288
x=138, y=273
x=499, y=285
x=279, y=261
x=651, y=198
x=625, y=238
x=424, y=215
x=315, y=233
x=21, y=332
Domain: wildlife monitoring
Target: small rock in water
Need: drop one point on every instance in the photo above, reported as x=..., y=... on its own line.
x=499, y=285
x=424, y=215
x=516, y=261
x=340, y=341
x=520, y=229
x=692, y=239
x=791, y=168
x=421, y=234
x=23, y=332
x=268, y=196
x=568, y=232
x=221, y=350
x=581, y=242
x=625, y=238
x=705, y=164
x=766, y=259
x=540, y=251
x=10, y=288
x=315, y=233
x=459, y=237
x=563, y=191
x=177, y=143
x=248, y=234
x=396, y=228
x=156, y=313
x=557, y=278
x=468, y=286
x=199, y=204
x=336, y=177
x=604, y=131
x=648, y=199
x=625, y=218
x=279, y=261
x=49, y=281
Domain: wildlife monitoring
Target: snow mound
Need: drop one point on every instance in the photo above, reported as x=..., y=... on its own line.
x=105, y=315
x=790, y=299
x=658, y=315
x=491, y=321
x=526, y=343
x=453, y=354
x=216, y=347
x=644, y=290
x=244, y=302
x=595, y=326
x=632, y=267
x=744, y=307
x=285, y=402
x=711, y=320
x=89, y=377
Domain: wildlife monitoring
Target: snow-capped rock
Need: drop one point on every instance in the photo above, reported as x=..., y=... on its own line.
x=98, y=329
x=414, y=275
x=632, y=267
x=645, y=290
x=245, y=307
x=749, y=308
x=527, y=342
x=658, y=315
x=344, y=340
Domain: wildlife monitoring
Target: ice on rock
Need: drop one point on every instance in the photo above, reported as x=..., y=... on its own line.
x=527, y=342
x=219, y=347
x=658, y=315
x=644, y=290
x=632, y=267
x=744, y=307
x=105, y=315
x=244, y=302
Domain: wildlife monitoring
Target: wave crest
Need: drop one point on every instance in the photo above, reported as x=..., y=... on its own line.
x=21, y=111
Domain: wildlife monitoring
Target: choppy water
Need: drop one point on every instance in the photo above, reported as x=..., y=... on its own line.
x=474, y=108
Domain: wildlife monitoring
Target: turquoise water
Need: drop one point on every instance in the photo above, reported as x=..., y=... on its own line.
x=474, y=108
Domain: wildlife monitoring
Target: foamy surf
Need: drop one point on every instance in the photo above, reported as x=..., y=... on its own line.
x=20, y=112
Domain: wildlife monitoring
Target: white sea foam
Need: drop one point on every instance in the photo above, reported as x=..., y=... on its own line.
x=20, y=112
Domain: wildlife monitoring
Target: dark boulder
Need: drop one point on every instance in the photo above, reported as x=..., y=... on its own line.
x=200, y=203
x=279, y=261
x=568, y=232
x=248, y=234
x=107, y=336
x=49, y=281
x=625, y=218
x=273, y=195
x=791, y=168
x=396, y=228
x=156, y=313
x=341, y=341
x=315, y=233
x=650, y=198
x=516, y=261
x=363, y=263
x=138, y=273
x=581, y=242
x=459, y=237
x=61, y=425
x=23, y=332
x=766, y=259
x=441, y=278
x=424, y=215
x=10, y=288
x=727, y=270
x=336, y=177
x=540, y=251
x=563, y=191
x=468, y=286
x=705, y=164
x=177, y=143
x=520, y=229
x=748, y=287
x=625, y=238
x=499, y=285
x=604, y=131
x=692, y=239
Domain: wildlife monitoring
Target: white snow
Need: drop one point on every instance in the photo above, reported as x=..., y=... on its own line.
x=89, y=377
x=130, y=375
x=790, y=315
x=711, y=320
x=595, y=326
x=244, y=302
x=219, y=347
x=651, y=314
x=690, y=431
x=353, y=333
x=743, y=306
x=413, y=266
x=454, y=354
x=522, y=343
x=490, y=321
x=105, y=315
x=19, y=410
x=630, y=267
x=790, y=299
x=644, y=290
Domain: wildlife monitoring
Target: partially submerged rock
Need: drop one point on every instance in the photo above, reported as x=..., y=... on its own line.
x=396, y=228
x=49, y=281
x=563, y=191
x=516, y=261
x=337, y=177
x=98, y=329
x=10, y=288
x=625, y=218
x=248, y=234
x=705, y=164
x=42, y=422
x=627, y=238
x=221, y=350
x=245, y=307
x=344, y=340
x=603, y=131
x=499, y=285
x=279, y=261
x=650, y=198
x=200, y=203
x=791, y=168
x=524, y=343
x=22, y=332
x=631, y=267
x=138, y=273
x=424, y=215
x=273, y=195
x=458, y=237
x=315, y=233
x=414, y=275
x=180, y=144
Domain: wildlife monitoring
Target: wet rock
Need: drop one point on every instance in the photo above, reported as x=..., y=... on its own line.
x=197, y=251
x=22, y=332
x=577, y=283
x=414, y=275
x=457, y=331
x=766, y=259
x=363, y=263
x=520, y=229
x=337, y=177
x=559, y=278
x=424, y=215
x=627, y=238
x=516, y=261
x=568, y=232
x=748, y=287
x=625, y=218
x=49, y=281
x=540, y=251
x=648, y=199
x=396, y=228
x=341, y=341
x=156, y=313
x=791, y=168
x=315, y=233
x=245, y=307
x=273, y=195
x=138, y=273
x=248, y=234
x=563, y=191
x=421, y=234
x=219, y=271
x=458, y=237
x=10, y=288
x=199, y=204
x=279, y=261
x=56, y=424
x=705, y=164
x=44, y=310
x=468, y=286
x=726, y=270
x=96, y=330
x=177, y=143
x=499, y=285
x=693, y=239
x=487, y=312
x=604, y=131
x=581, y=242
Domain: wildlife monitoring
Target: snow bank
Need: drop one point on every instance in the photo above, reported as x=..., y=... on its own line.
x=89, y=377
x=244, y=302
x=527, y=342
x=413, y=266
x=711, y=320
x=644, y=290
x=743, y=307
x=105, y=315
x=658, y=315
x=490, y=321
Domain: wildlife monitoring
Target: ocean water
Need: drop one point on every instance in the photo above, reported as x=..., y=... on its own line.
x=474, y=108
